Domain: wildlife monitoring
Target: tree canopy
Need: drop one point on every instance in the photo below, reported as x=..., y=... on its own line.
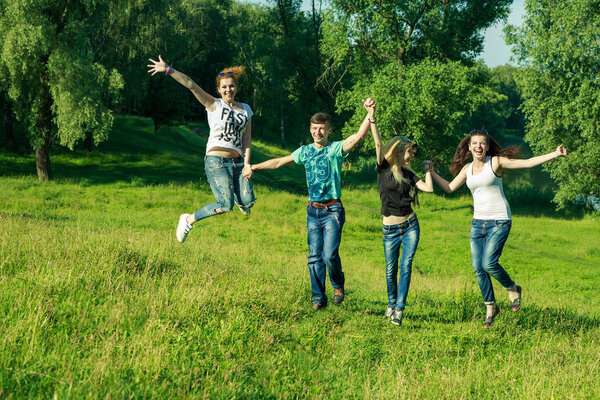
x=558, y=48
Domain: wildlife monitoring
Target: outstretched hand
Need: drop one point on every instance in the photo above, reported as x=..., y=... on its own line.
x=561, y=151
x=157, y=66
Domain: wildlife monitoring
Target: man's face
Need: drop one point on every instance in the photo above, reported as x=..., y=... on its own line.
x=320, y=132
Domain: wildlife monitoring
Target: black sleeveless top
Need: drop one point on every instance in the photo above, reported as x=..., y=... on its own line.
x=396, y=198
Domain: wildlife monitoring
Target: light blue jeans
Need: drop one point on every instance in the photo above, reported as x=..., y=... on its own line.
x=324, y=236
x=228, y=185
x=487, y=241
x=407, y=235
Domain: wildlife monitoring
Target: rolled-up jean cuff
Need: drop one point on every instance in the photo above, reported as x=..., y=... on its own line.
x=489, y=303
x=513, y=288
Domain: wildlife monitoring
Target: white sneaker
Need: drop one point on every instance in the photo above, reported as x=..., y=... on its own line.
x=183, y=228
x=397, y=317
x=244, y=210
x=389, y=312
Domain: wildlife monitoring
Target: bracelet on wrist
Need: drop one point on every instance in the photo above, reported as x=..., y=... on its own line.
x=374, y=120
x=168, y=70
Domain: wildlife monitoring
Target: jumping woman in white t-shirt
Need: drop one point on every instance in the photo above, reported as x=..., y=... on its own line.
x=491, y=218
x=228, y=147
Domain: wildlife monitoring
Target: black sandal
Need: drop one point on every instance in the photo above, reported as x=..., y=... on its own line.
x=516, y=303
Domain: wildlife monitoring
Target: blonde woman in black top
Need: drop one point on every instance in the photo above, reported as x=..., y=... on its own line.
x=398, y=191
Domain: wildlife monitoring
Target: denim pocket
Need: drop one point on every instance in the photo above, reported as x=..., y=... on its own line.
x=212, y=163
x=393, y=230
x=503, y=224
x=335, y=208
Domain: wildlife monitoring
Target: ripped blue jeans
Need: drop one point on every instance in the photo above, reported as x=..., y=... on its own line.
x=228, y=185
x=324, y=236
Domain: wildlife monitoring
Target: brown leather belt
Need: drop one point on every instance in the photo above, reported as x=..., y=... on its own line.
x=323, y=204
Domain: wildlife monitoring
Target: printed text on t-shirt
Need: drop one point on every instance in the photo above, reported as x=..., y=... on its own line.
x=235, y=123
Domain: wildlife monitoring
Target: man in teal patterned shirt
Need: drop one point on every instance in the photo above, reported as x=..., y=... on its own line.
x=325, y=214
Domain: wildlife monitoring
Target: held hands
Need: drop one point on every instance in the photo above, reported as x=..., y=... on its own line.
x=247, y=172
x=427, y=166
x=157, y=66
x=370, y=105
x=561, y=151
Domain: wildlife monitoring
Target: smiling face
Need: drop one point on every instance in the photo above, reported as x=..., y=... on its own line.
x=227, y=89
x=320, y=132
x=409, y=154
x=478, y=146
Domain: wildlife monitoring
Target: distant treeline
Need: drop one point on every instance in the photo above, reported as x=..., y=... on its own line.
x=67, y=67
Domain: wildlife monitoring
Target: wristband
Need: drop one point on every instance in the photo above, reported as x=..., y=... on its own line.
x=372, y=121
x=168, y=70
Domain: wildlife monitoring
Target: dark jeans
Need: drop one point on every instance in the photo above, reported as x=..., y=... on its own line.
x=406, y=235
x=324, y=236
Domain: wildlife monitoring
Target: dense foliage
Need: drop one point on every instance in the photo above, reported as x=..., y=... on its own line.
x=559, y=52
x=68, y=66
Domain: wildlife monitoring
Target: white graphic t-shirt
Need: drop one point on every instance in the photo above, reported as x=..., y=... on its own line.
x=227, y=125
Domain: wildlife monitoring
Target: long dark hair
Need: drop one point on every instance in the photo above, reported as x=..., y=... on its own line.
x=462, y=151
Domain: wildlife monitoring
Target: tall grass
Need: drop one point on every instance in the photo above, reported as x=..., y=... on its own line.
x=99, y=300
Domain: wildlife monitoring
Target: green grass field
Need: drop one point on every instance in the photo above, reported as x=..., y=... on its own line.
x=99, y=300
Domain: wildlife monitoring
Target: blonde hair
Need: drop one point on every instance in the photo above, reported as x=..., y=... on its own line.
x=394, y=151
x=230, y=72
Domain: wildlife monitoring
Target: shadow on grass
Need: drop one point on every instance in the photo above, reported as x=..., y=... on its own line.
x=467, y=307
x=135, y=263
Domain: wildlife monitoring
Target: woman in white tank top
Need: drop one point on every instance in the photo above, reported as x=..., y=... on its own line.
x=227, y=160
x=491, y=218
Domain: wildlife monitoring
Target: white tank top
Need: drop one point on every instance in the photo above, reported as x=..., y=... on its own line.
x=489, y=201
x=227, y=125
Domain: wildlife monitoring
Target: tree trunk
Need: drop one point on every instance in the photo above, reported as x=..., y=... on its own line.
x=282, y=123
x=42, y=163
x=88, y=143
x=8, y=127
x=42, y=154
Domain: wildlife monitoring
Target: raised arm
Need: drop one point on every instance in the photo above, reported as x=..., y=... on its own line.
x=353, y=140
x=160, y=66
x=507, y=163
x=376, y=137
x=446, y=186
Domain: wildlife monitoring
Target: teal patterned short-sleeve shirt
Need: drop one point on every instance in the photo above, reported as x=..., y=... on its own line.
x=323, y=169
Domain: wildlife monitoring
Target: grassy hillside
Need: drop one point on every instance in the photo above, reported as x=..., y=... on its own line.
x=99, y=300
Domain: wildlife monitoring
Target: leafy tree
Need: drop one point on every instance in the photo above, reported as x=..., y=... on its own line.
x=559, y=50
x=407, y=31
x=433, y=103
x=504, y=80
x=278, y=47
x=58, y=91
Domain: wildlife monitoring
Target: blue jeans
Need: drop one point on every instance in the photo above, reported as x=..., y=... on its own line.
x=406, y=235
x=324, y=236
x=228, y=185
x=487, y=240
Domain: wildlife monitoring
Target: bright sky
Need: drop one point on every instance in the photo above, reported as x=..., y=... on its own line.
x=495, y=51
